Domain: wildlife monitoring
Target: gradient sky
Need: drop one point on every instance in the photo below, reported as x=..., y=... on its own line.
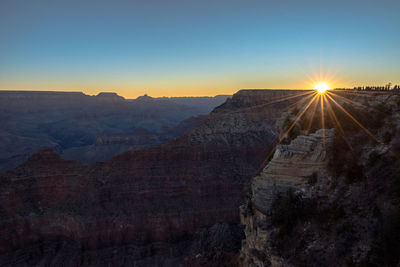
x=177, y=48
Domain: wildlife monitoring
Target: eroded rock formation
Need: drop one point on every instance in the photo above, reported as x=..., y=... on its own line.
x=291, y=167
x=146, y=207
x=330, y=198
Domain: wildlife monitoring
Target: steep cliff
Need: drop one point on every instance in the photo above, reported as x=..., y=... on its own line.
x=292, y=168
x=330, y=198
x=145, y=207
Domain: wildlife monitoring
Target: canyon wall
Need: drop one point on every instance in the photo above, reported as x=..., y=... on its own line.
x=291, y=168
x=330, y=197
x=146, y=207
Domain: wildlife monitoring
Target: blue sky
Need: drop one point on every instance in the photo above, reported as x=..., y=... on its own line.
x=196, y=47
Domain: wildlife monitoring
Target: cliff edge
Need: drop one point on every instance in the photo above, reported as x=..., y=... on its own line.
x=332, y=197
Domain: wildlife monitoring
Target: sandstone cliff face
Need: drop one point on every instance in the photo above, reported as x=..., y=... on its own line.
x=332, y=197
x=145, y=207
x=291, y=167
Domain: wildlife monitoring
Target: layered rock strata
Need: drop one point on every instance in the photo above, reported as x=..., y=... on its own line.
x=145, y=207
x=291, y=168
x=330, y=198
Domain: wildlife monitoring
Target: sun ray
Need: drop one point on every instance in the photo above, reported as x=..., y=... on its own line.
x=314, y=76
x=286, y=98
x=322, y=100
x=299, y=102
x=349, y=101
x=332, y=114
x=298, y=116
x=347, y=92
x=313, y=110
x=353, y=92
x=346, y=99
x=277, y=100
x=355, y=120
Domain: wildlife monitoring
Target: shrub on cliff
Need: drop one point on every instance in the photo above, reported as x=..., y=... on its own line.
x=288, y=209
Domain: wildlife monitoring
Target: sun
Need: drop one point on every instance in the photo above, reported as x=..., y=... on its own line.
x=321, y=87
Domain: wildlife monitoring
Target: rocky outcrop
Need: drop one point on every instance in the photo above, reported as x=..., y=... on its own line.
x=330, y=198
x=291, y=167
x=146, y=207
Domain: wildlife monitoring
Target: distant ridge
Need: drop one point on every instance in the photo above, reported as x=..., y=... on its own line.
x=145, y=97
x=42, y=93
x=72, y=122
x=109, y=95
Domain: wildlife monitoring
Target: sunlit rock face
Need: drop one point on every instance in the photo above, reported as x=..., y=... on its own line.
x=291, y=167
x=330, y=198
x=146, y=207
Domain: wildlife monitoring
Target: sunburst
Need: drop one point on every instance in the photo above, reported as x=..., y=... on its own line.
x=322, y=98
x=322, y=87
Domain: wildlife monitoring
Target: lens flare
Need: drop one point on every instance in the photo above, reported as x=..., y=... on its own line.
x=321, y=87
x=322, y=101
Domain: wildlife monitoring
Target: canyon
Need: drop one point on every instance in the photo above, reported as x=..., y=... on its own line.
x=167, y=205
x=90, y=128
x=321, y=197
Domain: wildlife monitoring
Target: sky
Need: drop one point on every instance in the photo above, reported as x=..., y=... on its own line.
x=196, y=48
